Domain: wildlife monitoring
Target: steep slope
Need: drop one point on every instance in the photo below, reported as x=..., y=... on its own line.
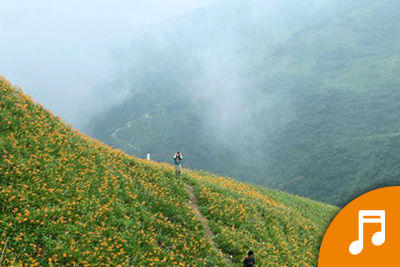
x=283, y=229
x=343, y=138
x=312, y=101
x=67, y=199
x=71, y=200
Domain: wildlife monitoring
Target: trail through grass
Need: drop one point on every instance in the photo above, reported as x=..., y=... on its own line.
x=71, y=200
x=193, y=203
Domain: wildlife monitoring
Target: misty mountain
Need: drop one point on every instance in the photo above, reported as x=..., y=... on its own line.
x=301, y=96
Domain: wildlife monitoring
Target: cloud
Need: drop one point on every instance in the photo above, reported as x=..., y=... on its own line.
x=61, y=52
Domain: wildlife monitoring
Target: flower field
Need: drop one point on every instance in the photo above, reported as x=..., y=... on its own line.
x=282, y=229
x=67, y=199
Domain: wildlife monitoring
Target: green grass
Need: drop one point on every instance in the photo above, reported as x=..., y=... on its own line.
x=283, y=229
x=69, y=200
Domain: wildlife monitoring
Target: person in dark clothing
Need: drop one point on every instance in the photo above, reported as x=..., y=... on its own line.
x=178, y=158
x=249, y=261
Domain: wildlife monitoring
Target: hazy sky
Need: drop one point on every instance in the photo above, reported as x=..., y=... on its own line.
x=60, y=51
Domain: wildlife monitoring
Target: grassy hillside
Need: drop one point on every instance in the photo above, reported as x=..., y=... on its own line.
x=343, y=140
x=284, y=230
x=71, y=200
x=319, y=116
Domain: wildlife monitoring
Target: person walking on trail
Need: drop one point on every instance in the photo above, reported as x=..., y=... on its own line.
x=249, y=261
x=178, y=158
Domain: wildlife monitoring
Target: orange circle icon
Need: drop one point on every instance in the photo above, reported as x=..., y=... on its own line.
x=365, y=233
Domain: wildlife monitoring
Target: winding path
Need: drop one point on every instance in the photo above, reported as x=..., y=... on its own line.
x=114, y=135
x=193, y=203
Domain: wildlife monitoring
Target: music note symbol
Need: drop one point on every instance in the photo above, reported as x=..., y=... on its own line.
x=368, y=216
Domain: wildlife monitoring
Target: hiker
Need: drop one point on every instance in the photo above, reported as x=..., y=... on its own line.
x=178, y=168
x=249, y=261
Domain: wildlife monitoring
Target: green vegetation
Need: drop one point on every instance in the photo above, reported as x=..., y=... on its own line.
x=327, y=92
x=283, y=229
x=68, y=200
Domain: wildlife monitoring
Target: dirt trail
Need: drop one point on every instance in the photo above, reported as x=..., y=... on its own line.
x=193, y=203
x=114, y=135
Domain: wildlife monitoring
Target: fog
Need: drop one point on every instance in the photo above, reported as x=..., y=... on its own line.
x=63, y=53
x=210, y=56
x=80, y=58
